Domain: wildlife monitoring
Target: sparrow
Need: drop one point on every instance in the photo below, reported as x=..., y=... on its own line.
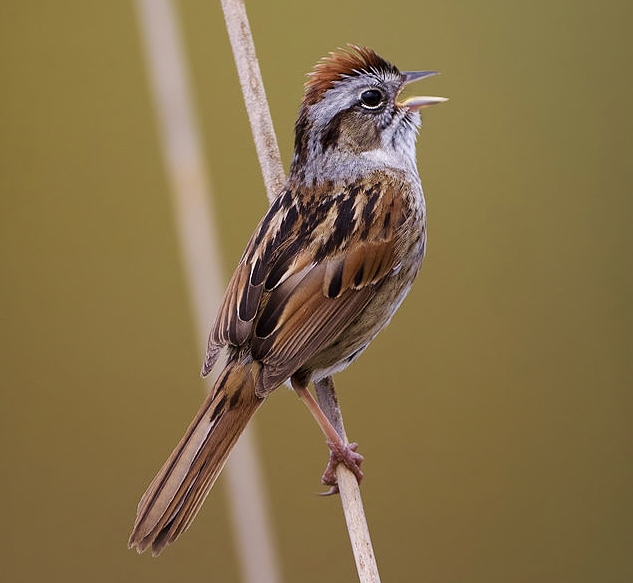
x=324, y=271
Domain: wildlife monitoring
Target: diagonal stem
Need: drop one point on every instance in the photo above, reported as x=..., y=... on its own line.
x=349, y=490
x=254, y=96
x=272, y=170
x=328, y=401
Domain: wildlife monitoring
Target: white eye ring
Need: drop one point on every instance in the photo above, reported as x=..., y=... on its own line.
x=372, y=98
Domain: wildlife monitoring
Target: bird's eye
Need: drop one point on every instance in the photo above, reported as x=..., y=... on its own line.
x=371, y=98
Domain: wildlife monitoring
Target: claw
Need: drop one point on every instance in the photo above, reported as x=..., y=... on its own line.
x=330, y=491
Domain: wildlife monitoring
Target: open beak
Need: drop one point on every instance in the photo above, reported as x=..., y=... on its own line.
x=420, y=101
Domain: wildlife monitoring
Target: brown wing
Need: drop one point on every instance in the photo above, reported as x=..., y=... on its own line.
x=309, y=270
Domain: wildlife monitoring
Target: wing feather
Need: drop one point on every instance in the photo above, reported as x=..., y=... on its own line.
x=292, y=296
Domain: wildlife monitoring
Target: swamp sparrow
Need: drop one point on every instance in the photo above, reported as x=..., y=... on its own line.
x=323, y=273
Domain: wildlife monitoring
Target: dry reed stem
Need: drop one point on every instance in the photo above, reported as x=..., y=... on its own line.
x=254, y=96
x=272, y=170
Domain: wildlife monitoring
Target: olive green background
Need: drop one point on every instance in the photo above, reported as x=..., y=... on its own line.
x=496, y=411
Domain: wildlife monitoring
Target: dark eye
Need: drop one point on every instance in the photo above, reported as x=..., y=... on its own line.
x=371, y=98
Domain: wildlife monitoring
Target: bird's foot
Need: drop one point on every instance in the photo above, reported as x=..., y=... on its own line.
x=345, y=454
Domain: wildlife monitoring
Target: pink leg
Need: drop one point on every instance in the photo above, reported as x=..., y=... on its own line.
x=340, y=452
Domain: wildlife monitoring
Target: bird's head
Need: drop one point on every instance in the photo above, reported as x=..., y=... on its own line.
x=351, y=112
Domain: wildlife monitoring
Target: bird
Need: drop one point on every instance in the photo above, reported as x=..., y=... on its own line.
x=323, y=272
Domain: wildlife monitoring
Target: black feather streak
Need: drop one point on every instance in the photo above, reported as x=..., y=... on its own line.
x=359, y=275
x=219, y=408
x=314, y=214
x=301, y=139
x=332, y=132
x=342, y=227
x=289, y=221
x=242, y=308
x=385, y=223
x=368, y=209
x=259, y=272
x=267, y=321
x=282, y=203
x=282, y=263
x=344, y=222
x=336, y=282
x=235, y=400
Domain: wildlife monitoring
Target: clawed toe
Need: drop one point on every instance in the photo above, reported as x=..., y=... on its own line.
x=341, y=453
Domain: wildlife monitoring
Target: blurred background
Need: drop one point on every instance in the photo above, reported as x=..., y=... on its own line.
x=495, y=413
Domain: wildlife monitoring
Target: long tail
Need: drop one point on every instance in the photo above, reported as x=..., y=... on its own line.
x=176, y=494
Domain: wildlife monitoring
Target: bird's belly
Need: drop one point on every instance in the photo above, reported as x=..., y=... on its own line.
x=352, y=341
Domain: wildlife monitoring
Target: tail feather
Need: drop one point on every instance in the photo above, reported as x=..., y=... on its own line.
x=176, y=494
